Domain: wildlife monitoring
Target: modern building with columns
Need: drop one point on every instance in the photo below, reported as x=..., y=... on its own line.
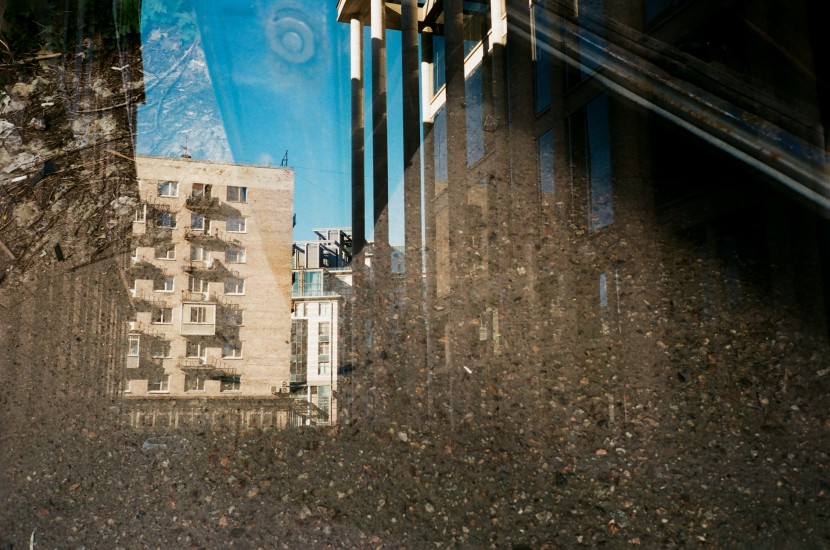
x=608, y=187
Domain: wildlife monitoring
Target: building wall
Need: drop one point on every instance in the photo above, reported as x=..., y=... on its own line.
x=581, y=220
x=266, y=301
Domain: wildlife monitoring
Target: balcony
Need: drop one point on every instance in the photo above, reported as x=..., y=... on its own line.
x=201, y=203
x=198, y=318
x=196, y=296
x=211, y=366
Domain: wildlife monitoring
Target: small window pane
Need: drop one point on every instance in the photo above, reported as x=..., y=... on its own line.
x=236, y=225
x=168, y=189
x=234, y=286
x=237, y=194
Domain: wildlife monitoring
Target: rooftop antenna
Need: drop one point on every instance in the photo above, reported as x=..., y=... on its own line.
x=284, y=161
x=185, y=155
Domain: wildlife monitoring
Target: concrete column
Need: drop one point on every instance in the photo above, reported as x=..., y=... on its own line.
x=358, y=148
x=457, y=331
x=415, y=347
x=380, y=169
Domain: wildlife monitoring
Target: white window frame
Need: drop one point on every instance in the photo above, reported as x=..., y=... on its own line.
x=163, y=383
x=324, y=344
x=232, y=350
x=166, y=350
x=200, y=382
x=169, y=285
x=237, y=384
x=200, y=190
x=324, y=335
x=201, y=349
x=323, y=368
x=199, y=254
x=172, y=220
x=169, y=254
x=240, y=194
x=133, y=351
x=238, y=283
x=197, y=222
x=163, y=310
x=241, y=228
x=325, y=309
x=195, y=284
x=172, y=188
x=239, y=258
x=200, y=314
x=140, y=214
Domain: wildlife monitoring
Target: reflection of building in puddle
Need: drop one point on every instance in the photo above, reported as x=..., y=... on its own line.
x=210, y=272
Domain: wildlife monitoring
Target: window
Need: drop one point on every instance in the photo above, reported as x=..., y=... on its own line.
x=168, y=189
x=299, y=333
x=236, y=225
x=165, y=252
x=590, y=157
x=162, y=315
x=232, y=350
x=474, y=96
x=194, y=284
x=160, y=383
x=235, y=255
x=134, y=345
x=198, y=314
x=200, y=190
x=234, y=286
x=299, y=309
x=199, y=254
x=312, y=283
x=546, y=162
x=603, y=291
x=237, y=194
x=166, y=219
x=324, y=402
x=195, y=348
x=231, y=317
x=323, y=368
x=542, y=73
x=141, y=214
x=324, y=330
x=325, y=309
x=128, y=388
x=194, y=382
x=438, y=63
x=197, y=222
x=164, y=285
x=439, y=136
x=160, y=349
x=599, y=163
x=229, y=383
x=323, y=350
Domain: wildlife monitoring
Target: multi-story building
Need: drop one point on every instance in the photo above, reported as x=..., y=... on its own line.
x=322, y=281
x=210, y=280
x=608, y=186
